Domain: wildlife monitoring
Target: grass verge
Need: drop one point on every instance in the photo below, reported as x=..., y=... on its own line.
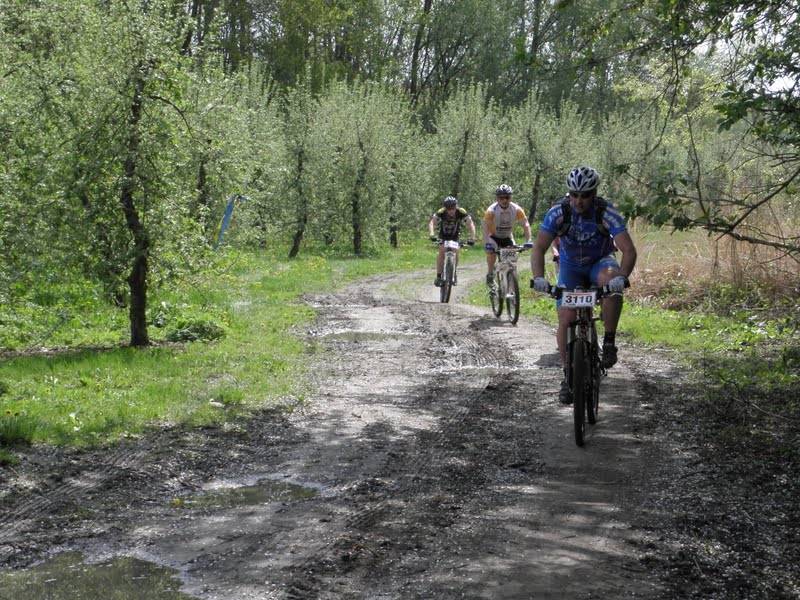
x=247, y=303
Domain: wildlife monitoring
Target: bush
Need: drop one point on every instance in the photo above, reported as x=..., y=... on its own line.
x=194, y=330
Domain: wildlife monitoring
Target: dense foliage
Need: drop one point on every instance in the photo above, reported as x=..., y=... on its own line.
x=125, y=127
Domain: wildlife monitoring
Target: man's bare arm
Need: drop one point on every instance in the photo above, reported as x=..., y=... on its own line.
x=540, y=246
x=625, y=245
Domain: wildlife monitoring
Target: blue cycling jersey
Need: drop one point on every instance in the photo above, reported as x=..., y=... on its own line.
x=584, y=243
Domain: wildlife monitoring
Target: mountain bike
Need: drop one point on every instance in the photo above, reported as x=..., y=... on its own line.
x=583, y=353
x=449, y=277
x=504, y=292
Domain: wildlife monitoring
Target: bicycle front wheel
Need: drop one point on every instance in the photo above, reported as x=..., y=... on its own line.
x=512, y=298
x=447, y=284
x=581, y=387
x=496, y=296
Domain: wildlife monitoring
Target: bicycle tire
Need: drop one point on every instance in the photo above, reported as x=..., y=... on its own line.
x=495, y=296
x=512, y=298
x=580, y=386
x=593, y=404
x=447, y=284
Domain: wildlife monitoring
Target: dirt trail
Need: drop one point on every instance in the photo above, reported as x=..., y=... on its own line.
x=432, y=461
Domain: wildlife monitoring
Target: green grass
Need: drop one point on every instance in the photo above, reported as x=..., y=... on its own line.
x=690, y=331
x=94, y=389
x=85, y=396
x=16, y=428
x=8, y=458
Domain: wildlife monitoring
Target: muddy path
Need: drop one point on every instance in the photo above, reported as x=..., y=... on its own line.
x=431, y=460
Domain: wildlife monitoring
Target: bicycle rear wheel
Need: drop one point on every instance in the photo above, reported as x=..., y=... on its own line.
x=495, y=295
x=593, y=403
x=512, y=298
x=581, y=382
x=447, y=284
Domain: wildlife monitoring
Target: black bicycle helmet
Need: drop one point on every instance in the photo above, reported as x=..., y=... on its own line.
x=503, y=190
x=583, y=179
x=450, y=202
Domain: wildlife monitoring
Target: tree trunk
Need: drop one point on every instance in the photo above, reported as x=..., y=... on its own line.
x=203, y=197
x=393, y=207
x=536, y=189
x=536, y=41
x=303, y=217
x=137, y=280
x=356, y=201
x=460, y=168
x=297, y=239
x=413, y=91
x=535, y=194
x=186, y=48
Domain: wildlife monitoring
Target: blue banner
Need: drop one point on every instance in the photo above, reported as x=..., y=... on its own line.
x=228, y=216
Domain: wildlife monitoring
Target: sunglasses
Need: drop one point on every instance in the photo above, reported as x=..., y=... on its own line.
x=581, y=194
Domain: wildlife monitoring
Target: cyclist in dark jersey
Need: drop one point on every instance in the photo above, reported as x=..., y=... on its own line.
x=589, y=231
x=448, y=220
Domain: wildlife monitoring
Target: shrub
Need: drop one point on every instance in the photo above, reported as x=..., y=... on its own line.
x=194, y=330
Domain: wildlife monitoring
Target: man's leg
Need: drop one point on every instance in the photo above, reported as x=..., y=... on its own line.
x=612, y=310
x=565, y=317
x=439, y=266
x=491, y=258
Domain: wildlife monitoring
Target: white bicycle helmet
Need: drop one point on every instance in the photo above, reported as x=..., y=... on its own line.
x=503, y=190
x=583, y=179
x=449, y=202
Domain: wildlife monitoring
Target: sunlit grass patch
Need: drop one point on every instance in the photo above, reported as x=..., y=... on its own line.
x=94, y=395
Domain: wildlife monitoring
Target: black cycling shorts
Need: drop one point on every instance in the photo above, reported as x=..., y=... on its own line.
x=503, y=242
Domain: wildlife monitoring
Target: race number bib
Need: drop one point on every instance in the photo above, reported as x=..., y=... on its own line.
x=578, y=299
x=451, y=245
x=507, y=255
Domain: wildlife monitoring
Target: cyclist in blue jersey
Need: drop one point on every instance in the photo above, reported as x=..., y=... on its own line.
x=589, y=232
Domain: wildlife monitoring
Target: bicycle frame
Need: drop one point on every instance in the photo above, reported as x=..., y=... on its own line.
x=505, y=291
x=449, y=267
x=584, y=368
x=506, y=263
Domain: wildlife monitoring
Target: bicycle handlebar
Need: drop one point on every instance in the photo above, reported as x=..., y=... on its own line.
x=556, y=292
x=460, y=243
x=517, y=247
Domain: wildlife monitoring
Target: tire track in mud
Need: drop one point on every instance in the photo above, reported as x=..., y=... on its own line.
x=506, y=446
x=415, y=459
x=69, y=491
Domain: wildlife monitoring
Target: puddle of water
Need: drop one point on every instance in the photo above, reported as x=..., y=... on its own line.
x=67, y=577
x=263, y=492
